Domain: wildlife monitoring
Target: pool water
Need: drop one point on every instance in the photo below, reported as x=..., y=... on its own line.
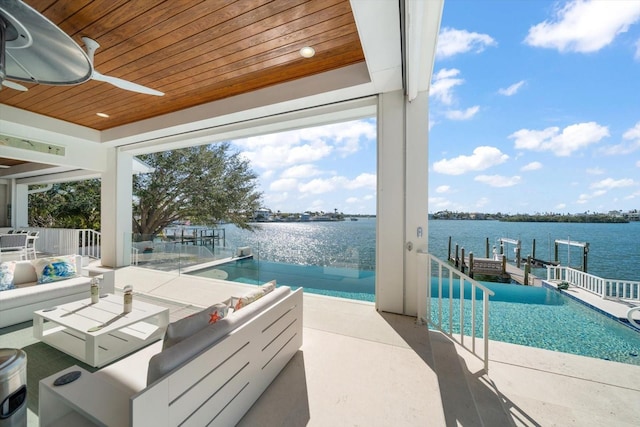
x=543, y=318
x=332, y=281
x=525, y=315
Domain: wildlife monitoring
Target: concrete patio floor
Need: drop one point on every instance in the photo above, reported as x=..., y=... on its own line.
x=359, y=367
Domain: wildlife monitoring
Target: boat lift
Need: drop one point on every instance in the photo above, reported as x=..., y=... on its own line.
x=517, y=249
x=569, y=243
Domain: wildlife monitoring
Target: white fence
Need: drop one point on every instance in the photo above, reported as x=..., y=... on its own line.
x=64, y=241
x=438, y=309
x=605, y=288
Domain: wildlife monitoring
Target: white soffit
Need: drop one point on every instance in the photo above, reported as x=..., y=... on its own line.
x=422, y=20
x=378, y=24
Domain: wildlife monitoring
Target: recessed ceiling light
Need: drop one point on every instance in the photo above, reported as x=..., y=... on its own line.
x=104, y=115
x=307, y=52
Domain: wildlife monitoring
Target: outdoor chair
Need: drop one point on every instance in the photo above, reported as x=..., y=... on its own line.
x=14, y=244
x=31, y=244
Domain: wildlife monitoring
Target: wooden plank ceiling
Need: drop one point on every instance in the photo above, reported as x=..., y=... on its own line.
x=194, y=51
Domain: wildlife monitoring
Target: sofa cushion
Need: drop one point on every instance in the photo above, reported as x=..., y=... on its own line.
x=253, y=295
x=24, y=273
x=178, y=354
x=56, y=268
x=187, y=326
x=6, y=275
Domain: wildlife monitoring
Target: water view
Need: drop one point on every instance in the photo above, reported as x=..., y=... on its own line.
x=338, y=259
x=614, y=251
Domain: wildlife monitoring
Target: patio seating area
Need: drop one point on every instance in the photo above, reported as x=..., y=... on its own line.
x=358, y=366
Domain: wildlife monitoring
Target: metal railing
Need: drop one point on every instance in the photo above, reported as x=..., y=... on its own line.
x=443, y=305
x=605, y=288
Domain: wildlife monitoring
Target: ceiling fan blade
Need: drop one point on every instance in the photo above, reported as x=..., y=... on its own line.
x=14, y=85
x=124, y=84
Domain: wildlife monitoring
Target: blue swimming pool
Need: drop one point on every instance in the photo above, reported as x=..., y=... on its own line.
x=332, y=281
x=525, y=315
x=544, y=318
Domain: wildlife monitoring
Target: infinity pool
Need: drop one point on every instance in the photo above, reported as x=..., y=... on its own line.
x=525, y=315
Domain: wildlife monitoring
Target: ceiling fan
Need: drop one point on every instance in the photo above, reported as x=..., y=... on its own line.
x=33, y=49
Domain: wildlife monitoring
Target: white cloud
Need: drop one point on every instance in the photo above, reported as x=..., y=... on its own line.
x=462, y=114
x=560, y=206
x=301, y=171
x=348, y=136
x=531, y=166
x=633, y=133
x=638, y=163
x=633, y=136
x=305, y=146
x=482, y=158
x=584, y=198
x=439, y=203
x=511, y=90
x=274, y=199
x=284, y=184
x=443, y=84
x=621, y=149
x=274, y=156
x=498, y=180
x=452, y=42
x=352, y=200
x=364, y=180
x=632, y=195
x=572, y=138
x=595, y=171
x=603, y=186
x=443, y=189
x=584, y=26
x=320, y=186
x=610, y=183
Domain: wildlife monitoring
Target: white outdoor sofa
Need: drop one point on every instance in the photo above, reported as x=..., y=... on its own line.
x=17, y=305
x=211, y=377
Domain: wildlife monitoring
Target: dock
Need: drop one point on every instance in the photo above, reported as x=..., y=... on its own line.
x=496, y=267
x=196, y=236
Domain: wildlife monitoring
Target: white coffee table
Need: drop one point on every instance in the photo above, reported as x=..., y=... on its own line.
x=70, y=328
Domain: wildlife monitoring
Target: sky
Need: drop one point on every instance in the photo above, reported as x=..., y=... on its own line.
x=534, y=107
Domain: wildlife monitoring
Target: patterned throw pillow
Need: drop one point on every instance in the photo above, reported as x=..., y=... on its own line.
x=6, y=275
x=184, y=328
x=57, y=268
x=254, y=295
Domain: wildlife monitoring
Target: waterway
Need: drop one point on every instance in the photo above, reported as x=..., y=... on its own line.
x=614, y=249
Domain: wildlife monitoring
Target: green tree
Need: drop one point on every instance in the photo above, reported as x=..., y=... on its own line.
x=67, y=205
x=203, y=184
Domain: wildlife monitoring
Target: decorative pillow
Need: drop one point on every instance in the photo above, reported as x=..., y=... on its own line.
x=254, y=295
x=184, y=328
x=6, y=275
x=57, y=268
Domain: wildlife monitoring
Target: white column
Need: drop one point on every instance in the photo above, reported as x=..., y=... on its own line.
x=402, y=199
x=19, y=205
x=116, y=210
x=416, y=194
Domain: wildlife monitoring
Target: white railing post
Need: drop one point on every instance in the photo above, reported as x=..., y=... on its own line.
x=461, y=321
x=485, y=329
x=423, y=285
